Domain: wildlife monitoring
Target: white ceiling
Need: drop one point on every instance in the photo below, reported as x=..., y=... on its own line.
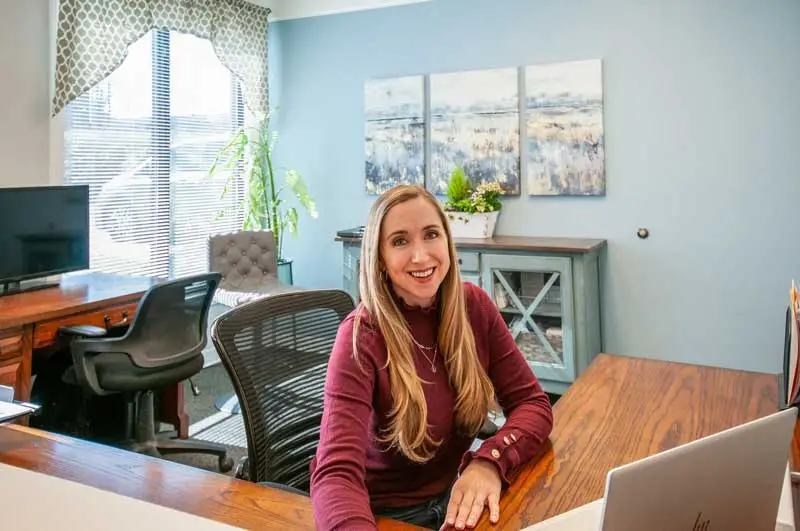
x=288, y=9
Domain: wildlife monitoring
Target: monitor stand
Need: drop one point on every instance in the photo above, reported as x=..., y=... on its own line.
x=12, y=288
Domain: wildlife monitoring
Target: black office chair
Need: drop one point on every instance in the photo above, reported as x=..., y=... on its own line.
x=162, y=346
x=276, y=352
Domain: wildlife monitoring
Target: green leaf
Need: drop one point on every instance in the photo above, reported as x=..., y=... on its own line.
x=459, y=187
x=291, y=221
x=249, y=154
x=298, y=186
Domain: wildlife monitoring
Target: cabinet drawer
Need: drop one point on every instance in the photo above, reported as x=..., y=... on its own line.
x=10, y=347
x=45, y=333
x=468, y=261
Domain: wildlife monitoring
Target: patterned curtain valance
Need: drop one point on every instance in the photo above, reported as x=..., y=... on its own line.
x=94, y=35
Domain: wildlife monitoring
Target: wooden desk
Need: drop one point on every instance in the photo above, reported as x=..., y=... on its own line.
x=180, y=487
x=620, y=410
x=29, y=322
x=623, y=409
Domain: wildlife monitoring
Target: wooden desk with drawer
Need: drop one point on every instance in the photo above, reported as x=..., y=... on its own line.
x=29, y=323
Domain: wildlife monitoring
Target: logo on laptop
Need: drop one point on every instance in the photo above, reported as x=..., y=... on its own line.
x=700, y=524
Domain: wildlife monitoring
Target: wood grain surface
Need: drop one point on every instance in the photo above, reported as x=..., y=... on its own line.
x=623, y=409
x=172, y=485
x=795, y=456
x=77, y=294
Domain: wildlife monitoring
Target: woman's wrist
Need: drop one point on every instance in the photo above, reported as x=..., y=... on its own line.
x=487, y=464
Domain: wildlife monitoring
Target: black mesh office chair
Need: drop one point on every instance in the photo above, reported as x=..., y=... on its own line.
x=276, y=352
x=162, y=346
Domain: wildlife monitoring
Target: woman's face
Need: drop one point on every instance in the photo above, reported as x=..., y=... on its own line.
x=414, y=251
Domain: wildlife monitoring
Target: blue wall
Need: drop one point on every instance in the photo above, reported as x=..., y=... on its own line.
x=702, y=121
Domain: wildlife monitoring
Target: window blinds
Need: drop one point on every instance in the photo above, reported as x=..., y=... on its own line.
x=143, y=140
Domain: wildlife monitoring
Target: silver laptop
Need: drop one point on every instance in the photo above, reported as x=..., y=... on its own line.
x=730, y=481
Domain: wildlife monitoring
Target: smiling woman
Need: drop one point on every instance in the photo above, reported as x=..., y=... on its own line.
x=412, y=376
x=414, y=251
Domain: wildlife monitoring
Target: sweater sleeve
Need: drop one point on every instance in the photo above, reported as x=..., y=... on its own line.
x=529, y=416
x=339, y=495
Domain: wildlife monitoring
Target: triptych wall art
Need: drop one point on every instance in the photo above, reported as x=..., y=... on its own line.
x=419, y=128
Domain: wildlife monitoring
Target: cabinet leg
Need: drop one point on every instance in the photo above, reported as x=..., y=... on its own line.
x=22, y=386
x=172, y=409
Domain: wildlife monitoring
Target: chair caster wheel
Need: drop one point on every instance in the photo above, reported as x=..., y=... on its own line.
x=225, y=464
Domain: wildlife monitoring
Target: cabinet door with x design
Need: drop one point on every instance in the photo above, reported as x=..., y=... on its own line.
x=534, y=296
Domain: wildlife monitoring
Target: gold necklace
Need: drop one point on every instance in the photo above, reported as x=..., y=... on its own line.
x=423, y=348
x=420, y=345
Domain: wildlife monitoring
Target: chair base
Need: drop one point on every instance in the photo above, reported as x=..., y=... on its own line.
x=161, y=447
x=141, y=437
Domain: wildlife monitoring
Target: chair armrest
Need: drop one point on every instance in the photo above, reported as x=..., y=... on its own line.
x=82, y=331
x=88, y=341
x=488, y=429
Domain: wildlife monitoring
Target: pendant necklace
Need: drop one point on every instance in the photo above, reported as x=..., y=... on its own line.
x=423, y=348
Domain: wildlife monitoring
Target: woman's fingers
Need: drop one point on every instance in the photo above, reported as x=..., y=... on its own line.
x=452, y=507
x=475, y=512
x=494, y=507
x=464, y=509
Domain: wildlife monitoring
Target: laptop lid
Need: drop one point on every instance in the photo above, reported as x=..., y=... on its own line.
x=731, y=481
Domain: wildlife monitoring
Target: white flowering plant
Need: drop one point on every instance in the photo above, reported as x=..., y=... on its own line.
x=462, y=198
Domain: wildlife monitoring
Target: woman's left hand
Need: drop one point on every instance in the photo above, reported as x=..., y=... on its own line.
x=478, y=486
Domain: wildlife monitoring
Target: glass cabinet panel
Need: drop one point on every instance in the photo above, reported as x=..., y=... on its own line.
x=534, y=296
x=350, y=269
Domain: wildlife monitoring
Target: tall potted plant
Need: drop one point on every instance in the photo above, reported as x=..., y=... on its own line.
x=265, y=207
x=471, y=213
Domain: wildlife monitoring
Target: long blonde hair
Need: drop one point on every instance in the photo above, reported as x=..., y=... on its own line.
x=408, y=426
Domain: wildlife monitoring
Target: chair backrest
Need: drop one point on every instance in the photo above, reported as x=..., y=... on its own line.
x=276, y=352
x=246, y=260
x=170, y=325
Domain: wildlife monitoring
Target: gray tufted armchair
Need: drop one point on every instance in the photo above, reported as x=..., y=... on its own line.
x=248, y=263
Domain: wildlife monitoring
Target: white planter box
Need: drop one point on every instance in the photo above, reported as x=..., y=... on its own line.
x=463, y=225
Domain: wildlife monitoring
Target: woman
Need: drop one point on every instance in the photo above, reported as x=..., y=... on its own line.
x=413, y=373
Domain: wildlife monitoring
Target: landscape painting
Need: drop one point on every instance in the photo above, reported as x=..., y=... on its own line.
x=394, y=132
x=564, y=122
x=475, y=125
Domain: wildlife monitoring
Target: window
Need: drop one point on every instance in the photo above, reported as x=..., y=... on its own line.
x=143, y=140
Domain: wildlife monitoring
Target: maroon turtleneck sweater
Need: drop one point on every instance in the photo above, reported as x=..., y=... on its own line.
x=353, y=475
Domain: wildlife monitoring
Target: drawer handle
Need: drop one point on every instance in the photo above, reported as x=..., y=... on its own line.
x=107, y=319
x=460, y=261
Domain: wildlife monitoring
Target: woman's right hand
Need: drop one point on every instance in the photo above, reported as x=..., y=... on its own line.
x=479, y=486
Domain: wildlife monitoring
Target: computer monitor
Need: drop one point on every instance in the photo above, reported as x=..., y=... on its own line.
x=44, y=231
